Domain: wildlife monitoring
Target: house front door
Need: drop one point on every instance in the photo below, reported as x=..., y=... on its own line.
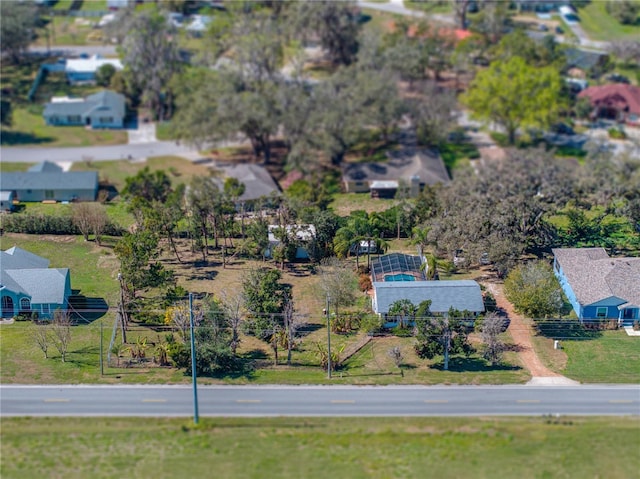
x=627, y=313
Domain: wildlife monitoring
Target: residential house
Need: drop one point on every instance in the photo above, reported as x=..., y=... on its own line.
x=584, y=63
x=301, y=234
x=257, y=181
x=47, y=181
x=398, y=276
x=83, y=70
x=599, y=287
x=27, y=284
x=105, y=109
x=463, y=295
x=617, y=101
x=411, y=167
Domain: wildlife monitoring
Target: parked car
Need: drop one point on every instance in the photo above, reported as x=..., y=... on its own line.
x=559, y=30
x=542, y=27
x=617, y=78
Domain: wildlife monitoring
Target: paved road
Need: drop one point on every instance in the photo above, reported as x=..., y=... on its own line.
x=73, y=50
x=299, y=401
x=94, y=153
x=398, y=8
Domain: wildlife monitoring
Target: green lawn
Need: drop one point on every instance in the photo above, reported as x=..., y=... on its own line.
x=591, y=356
x=115, y=172
x=321, y=447
x=599, y=25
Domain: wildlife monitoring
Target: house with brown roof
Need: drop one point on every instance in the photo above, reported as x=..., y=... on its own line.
x=616, y=101
x=599, y=287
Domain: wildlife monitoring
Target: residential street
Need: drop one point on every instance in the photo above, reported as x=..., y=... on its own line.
x=93, y=153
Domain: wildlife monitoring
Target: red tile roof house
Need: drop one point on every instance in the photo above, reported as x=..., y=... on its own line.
x=619, y=102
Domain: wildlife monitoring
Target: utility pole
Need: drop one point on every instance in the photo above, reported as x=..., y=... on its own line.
x=101, y=352
x=328, y=339
x=193, y=362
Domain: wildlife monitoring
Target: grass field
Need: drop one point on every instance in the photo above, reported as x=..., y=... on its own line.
x=599, y=25
x=591, y=356
x=321, y=447
x=115, y=172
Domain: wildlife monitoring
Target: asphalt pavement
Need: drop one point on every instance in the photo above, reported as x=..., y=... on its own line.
x=299, y=401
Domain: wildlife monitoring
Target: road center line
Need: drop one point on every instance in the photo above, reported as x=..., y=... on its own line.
x=154, y=400
x=621, y=401
x=254, y=401
x=436, y=401
x=56, y=400
x=528, y=401
x=342, y=401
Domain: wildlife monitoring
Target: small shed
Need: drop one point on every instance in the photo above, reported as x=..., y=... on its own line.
x=383, y=189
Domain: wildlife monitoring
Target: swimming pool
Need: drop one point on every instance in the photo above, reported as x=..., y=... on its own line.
x=399, y=277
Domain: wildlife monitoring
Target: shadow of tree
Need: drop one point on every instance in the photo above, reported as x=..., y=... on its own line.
x=461, y=364
x=566, y=329
x=10, y=137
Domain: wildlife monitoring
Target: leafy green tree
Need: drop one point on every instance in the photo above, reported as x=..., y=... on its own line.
x=137, y=252
x=444, y=336
x=403, y=310
x=334, y=23
x=264, y=299
x=18, y=22
x=534, y=290
x=514, y=94
x=151, y=59
x=104, y=74
x=625, y=11
x=148, y=185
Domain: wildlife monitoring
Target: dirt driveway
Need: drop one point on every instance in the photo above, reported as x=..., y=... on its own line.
x=521, y=332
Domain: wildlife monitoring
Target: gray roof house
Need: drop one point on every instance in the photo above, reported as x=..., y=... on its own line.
x=459, y=294
x=47, y=181
x=416, y=168
x=6, y=200
x=27, y=284
x=599, y=287
x=105, y=109
x=257, y=180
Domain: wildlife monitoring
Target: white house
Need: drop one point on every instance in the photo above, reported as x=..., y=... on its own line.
x=303, y=234
x=105, y=109
x=83, y=70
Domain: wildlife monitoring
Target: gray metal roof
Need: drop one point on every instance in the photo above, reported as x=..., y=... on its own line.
x=18, y=258
x=459, y=294
x=594, y=276
x=69, y=180
x=257, y=180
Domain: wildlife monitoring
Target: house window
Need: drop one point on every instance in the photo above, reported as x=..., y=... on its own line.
x=46, y=309
x=74, y=119
x=48, y=194
x=601, y=313
x=105, y=119
x=25, y=304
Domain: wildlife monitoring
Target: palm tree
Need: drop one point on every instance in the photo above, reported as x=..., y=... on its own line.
x=419, y=238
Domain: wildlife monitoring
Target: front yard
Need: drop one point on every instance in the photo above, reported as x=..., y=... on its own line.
x=592, y=357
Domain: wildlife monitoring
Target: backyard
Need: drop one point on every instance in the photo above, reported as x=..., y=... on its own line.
x=599, y=25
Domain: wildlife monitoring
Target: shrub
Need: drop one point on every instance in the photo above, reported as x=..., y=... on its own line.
x=617, y=134
x=32, y=223
x=364, y=282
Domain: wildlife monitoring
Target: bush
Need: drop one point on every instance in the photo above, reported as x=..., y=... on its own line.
x=625, y=11
x=31, y=223
x=364, y=282
x=617, y=134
